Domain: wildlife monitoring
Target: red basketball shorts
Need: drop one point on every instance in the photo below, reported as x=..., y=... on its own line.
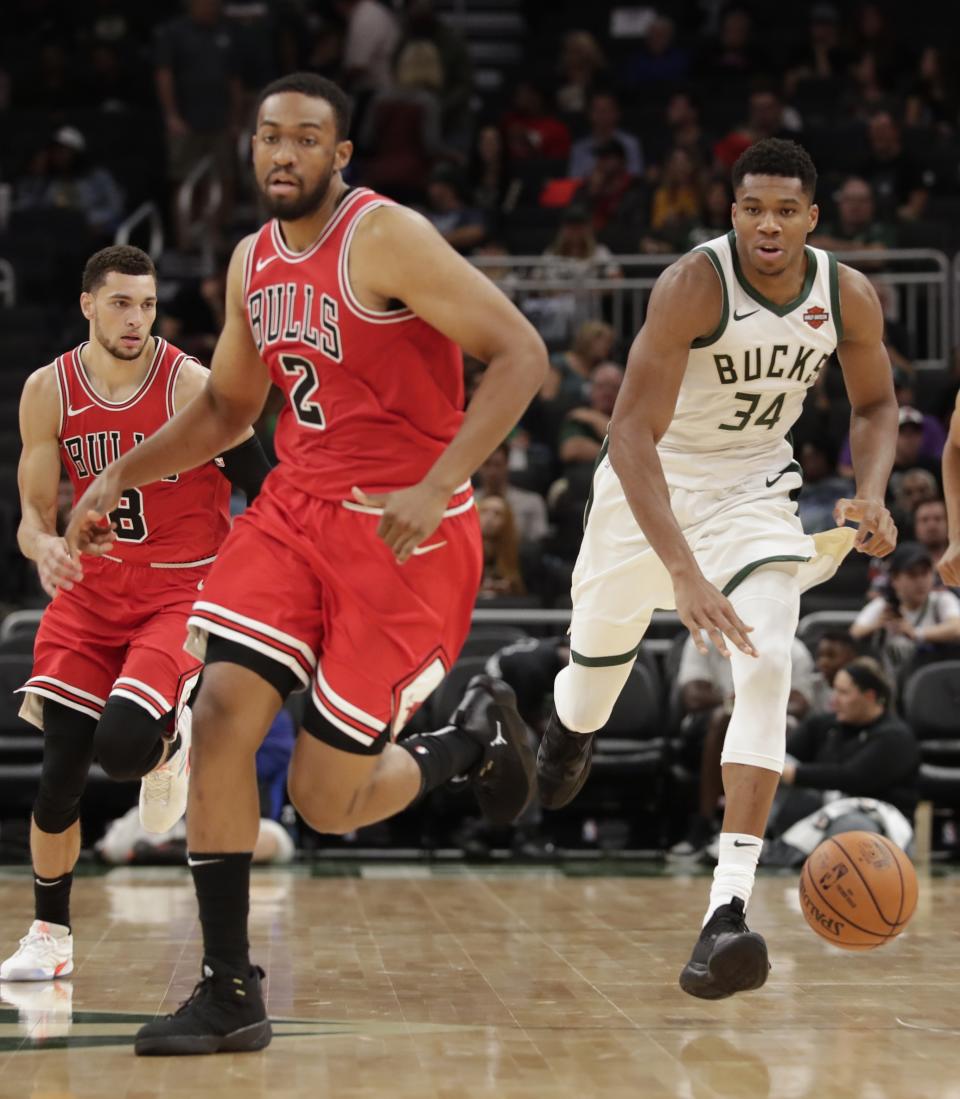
x=120, y=634
x=306, y=585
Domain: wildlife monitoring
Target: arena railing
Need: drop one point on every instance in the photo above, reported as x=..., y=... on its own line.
x=916, y=285
x=148, y=213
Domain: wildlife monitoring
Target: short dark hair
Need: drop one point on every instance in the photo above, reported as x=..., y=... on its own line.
x=774, y=156
x=938, y=500
x=123, y=258
x=838, y=637
x=317, y=87
x=867, y=675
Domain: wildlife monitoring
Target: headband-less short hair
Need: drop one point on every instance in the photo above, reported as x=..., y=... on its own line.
x=867, y=674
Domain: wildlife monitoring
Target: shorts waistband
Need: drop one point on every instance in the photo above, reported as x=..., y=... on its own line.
x=460, y=501
x=160, y=564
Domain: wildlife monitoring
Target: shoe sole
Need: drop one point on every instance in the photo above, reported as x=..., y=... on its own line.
x=34, y=975
x=560, y=795
x=515, y=733
x=247, y=1039
x=738, y=964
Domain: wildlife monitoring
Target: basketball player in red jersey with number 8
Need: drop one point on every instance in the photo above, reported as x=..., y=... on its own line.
x=110, y=678
x=355, y=573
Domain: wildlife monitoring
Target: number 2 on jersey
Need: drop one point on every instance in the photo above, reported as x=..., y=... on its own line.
x=306, y=407
x=767, y=418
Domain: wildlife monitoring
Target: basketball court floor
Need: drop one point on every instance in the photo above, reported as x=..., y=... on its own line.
x=450, y=983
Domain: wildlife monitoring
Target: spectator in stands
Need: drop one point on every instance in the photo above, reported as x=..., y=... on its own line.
x=610, y=191
x=585, y=428
x=715, y=218
x=575, y=240
x=401, y=126
x=372, y=37
x=199, y=89
x=531, y=127
x=731, y=59
x=194, y=318
x=529, y=509
x=581, y=62
x=488, y=174
x=61, y=176
x=661, y=60
x=422, y=24
x=501, y=549
x=677, y=204
x=861, y=751
x=681, y=129
x=822, y=59
x=705, y=685
x=874, y=36
x=896, y=177
x=856, y=226
x=462, y=226
x=604, y=127
x=823, y=486
x=932, y=95
x=912, y=623
x=109, y=83
x=766, y=117
x=834, y=651
x=907, y=490
x=932, y=436
x=930, y=529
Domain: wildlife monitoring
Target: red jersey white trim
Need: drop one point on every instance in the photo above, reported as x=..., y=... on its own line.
x=374, y=316
x=115, y=406
x=298, y=257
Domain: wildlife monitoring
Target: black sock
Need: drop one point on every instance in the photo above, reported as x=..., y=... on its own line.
x=222, y=882
x=442, y=755
x=51, y=898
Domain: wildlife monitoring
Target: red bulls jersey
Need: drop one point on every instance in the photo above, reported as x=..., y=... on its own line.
x=372, y=398
x=180, y=519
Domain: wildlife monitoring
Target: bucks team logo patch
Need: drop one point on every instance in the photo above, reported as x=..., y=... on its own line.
x=816, y=315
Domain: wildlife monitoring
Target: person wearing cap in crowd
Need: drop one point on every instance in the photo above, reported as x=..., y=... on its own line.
x=860, y=751
x=62, y=176
x=912, y=623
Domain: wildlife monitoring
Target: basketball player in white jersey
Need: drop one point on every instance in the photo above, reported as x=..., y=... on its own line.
x=692, y=507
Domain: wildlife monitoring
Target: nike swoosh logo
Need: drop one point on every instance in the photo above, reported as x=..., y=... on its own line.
x=77, y=411
x=771, y=481
x=202, y=862
x=428, y=549
x=737, y=843
x=743, y=316
x=261, y=263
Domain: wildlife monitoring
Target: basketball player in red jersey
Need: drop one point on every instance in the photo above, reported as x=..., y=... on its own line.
x=355, y=573
x=110, y=677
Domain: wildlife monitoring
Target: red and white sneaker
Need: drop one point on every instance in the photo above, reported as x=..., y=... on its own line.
x=45, y=952
x=163, y=792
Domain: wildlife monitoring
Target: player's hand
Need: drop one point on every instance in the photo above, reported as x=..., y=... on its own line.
x=949, y=566
x=410, y=516
x=701, y=606
x=57, y=569
x=876, y=530
x=90, y=530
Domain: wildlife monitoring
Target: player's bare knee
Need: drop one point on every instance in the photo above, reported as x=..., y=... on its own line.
x=322, y=810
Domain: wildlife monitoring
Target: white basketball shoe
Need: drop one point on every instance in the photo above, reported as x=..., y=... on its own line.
x=163, y=792
x=45, y=952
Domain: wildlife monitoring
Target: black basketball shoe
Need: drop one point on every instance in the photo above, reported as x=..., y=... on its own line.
x=503, y=779
x=224, y=1014
x=563, y=763
x=728, y=957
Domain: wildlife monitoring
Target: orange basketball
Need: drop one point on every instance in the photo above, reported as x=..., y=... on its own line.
x=858, y=890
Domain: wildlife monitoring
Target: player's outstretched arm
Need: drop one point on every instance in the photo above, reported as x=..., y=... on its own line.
x=873, y=417
x=685, y=304
x=949, y=565
x=38, y=476
x=227, y=405
x=397, y=254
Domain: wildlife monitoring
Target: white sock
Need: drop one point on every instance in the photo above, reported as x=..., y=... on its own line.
x=736, y=870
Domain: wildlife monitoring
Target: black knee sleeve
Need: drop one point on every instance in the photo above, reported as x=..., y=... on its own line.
x=128, y=741
x=67, y=754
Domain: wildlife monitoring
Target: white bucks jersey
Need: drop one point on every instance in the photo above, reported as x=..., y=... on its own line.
x=744, y=385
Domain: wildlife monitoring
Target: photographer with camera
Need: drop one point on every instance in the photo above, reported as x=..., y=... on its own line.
x=911, y=624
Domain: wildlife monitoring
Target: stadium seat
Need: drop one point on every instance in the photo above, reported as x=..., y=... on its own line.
x=931, y=707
